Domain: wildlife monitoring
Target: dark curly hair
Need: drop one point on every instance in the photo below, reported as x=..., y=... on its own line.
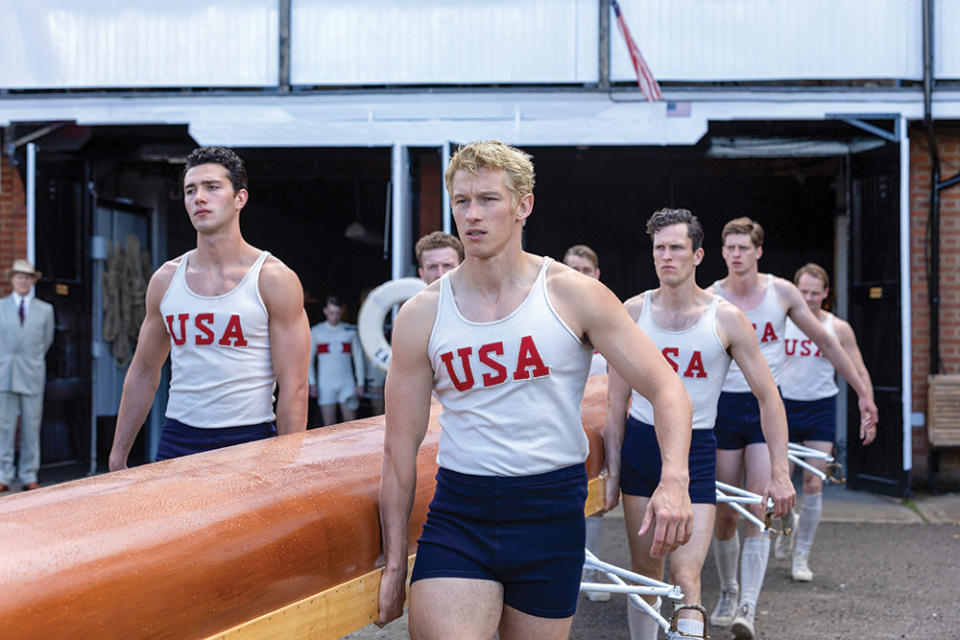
x=226, y=158
x=666, y=217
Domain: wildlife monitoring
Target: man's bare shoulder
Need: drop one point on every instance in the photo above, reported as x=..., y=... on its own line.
x=842, y=327
x=275, y=272
x=162, y=277
x=716, y=286
x=564, y=281
x=783, y=287
x=414, y=323
x=279, y=285
x=730, y=316
x=423, y=305
x=634, y=305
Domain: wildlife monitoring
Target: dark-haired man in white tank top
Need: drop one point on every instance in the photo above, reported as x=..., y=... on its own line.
x=231, y=317
x=767, y=301
x=506, y=339
x=699, y=334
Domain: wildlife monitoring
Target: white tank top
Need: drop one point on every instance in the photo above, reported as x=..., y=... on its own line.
x=807, y=374
x=510, y=389
x=221, y=371
x=336, y=355
x=698, y=357
x=769, y=321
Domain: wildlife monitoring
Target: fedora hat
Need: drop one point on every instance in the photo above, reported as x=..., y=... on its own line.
x=22, y=266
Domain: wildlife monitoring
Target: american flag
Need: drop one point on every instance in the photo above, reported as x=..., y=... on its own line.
x=648, y=84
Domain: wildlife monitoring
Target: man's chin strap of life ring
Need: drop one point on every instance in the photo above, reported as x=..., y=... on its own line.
x=374, y=311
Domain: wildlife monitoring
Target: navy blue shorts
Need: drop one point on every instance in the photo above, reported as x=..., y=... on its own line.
x=178, y=439
x=640, y=463
x=812, y=419
x=738, y=421
x=526, y=533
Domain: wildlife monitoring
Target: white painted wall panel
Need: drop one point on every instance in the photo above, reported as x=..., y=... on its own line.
x=731, y=40
x=365, y=42
x=946, y=43
x=138, y=43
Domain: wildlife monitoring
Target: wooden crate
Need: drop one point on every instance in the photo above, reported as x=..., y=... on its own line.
x=943, y=410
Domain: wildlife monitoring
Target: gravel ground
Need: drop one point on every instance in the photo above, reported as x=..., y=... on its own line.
x=871, y=581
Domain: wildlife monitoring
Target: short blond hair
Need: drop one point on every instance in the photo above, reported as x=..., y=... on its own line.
x=743, y=226
x=517, y=165
x=584, y=252
x=814, y=270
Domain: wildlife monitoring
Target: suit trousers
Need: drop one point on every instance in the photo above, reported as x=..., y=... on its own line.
x=30, y=408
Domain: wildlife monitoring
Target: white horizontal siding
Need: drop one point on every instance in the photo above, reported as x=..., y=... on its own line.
x=366, y=42
x=755, y=40
x=138, y=43
x=946, y=43
x=57, y=44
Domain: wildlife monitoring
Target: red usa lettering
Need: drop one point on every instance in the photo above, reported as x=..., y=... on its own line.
x=529, y=364
x=806, y=348
x=769, y=335
x=694, y=368
x=203, y=331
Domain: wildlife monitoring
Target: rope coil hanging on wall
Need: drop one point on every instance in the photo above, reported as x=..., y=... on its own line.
x=124, y=297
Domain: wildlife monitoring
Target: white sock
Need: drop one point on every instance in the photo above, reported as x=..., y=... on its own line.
x=595, y=535
x=810, y=512
x=690, y=627
x=756, y=552
x=726, y=553
x=642, y=626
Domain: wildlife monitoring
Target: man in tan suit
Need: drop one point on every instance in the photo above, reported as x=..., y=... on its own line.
x=26, y=332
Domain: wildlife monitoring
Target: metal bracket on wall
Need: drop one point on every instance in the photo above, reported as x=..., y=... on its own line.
x=11, y=147
x=859, y=120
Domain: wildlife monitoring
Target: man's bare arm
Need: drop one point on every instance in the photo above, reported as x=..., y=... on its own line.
x=614, y=428
x=289, y=343
x=615, y=418
x=805, y=320
x=312, y=368
x=848, y=340
x=143, y=375
x=602, y=319
x=408, y=386
x=743, y=346
x=359, y=363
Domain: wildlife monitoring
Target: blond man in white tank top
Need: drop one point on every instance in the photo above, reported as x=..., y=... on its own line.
x=491, y=189
x=215, y=191
x=700, y=334
x=809, y=393
x=759, y=462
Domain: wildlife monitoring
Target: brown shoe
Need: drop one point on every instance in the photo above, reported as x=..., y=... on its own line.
x=30, y=486
x=3, y=487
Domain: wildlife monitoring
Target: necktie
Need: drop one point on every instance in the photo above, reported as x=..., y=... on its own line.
x=21, y=312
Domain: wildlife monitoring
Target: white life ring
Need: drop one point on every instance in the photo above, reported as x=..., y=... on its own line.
x=374, y=311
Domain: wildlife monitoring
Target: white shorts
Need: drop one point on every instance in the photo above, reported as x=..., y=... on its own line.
x=337, y=391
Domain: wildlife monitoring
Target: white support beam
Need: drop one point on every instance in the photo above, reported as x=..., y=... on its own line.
x=31, y=189
x=906, y=341
x=444, y=163
x=400, y=232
